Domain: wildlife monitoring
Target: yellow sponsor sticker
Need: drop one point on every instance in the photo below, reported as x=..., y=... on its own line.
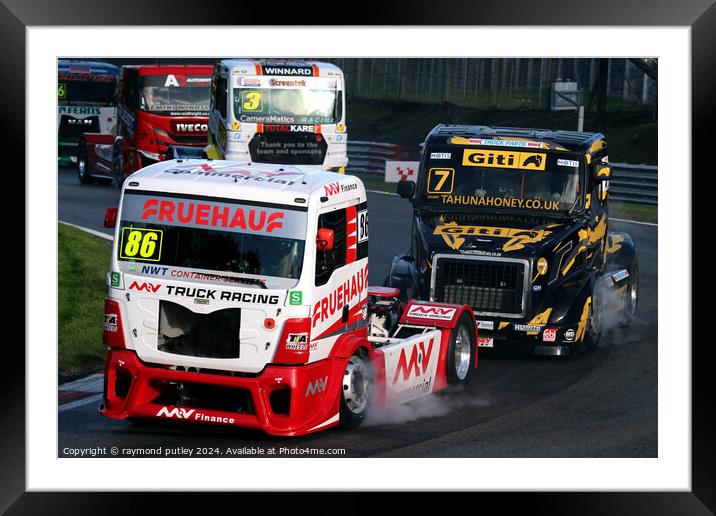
x=453, y=235
x=504, y=159
x=141, y=244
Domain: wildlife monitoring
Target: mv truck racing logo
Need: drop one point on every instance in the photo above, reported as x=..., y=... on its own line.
x=411, y=368
x=317, y=386
x=437, y=313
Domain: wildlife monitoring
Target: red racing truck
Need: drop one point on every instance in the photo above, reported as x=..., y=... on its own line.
x=238, y=295
x=162, y=114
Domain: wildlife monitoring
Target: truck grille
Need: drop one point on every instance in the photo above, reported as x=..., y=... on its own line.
x=212, y=335
x=490, y=286
x=72, y=128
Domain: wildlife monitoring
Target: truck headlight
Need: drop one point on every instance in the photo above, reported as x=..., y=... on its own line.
x=542, y=266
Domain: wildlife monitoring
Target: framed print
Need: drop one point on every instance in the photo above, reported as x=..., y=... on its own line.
x=531, y=102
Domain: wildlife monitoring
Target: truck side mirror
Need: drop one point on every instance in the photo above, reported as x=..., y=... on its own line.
x=406, y=189
x=110, y=218
x=601, y=172
x=324, y=239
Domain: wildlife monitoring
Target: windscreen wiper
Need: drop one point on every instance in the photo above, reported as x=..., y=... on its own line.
x=249, y=281
x=579, y=198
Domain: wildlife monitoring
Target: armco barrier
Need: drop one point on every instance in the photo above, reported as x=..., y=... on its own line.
x=630, y=183
x=370, y=157
x=634, y=183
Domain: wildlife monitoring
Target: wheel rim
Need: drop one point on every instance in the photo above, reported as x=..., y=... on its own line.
x=81, y=163
x=356, y=385
x=462, y=352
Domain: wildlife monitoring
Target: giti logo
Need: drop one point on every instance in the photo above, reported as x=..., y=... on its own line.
x=319, y=385
x=504, y=159
x=178, y=413
x=453, y=235
x=147, y=287
x=418, y=363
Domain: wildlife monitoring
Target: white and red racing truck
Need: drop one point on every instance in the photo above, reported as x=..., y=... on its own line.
x=238, y=295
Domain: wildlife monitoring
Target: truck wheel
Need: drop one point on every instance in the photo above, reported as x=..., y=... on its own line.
x=356, y=389
x=82, y=163
x=460, y=352
x=632, y=293
x=118, y=167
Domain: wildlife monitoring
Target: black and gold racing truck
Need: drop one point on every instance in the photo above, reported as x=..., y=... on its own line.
x=514, y=222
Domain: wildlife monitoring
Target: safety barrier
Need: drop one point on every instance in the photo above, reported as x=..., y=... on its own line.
x=634, y=183
x=370, y=157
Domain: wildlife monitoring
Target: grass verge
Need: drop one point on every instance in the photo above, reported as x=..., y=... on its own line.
x=83, y=264
x=634, y=211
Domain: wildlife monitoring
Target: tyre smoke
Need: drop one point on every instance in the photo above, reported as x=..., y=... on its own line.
x=433, y=405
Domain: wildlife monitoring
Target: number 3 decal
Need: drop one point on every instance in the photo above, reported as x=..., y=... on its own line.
x=141, y=244
x=251, y=101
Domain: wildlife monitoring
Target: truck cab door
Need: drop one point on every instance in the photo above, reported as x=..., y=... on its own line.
x=218, y=110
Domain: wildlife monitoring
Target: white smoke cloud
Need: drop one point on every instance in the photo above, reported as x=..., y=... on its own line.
x=433, y=405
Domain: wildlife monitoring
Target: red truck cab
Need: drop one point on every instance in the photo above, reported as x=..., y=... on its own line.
x=162, y=114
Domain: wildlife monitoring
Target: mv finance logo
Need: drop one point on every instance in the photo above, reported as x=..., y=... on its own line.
x=145, y=287
x=316, y=386
x=175, y=413
x=417, y=365
x=504, y=159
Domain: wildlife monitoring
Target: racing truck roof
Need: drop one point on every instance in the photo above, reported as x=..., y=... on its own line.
x=262, y=182
x=556, y=140
x=171, y=68
x=297, y=67
x=65, y=66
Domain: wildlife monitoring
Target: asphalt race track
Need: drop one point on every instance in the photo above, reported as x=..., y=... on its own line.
x=599, y=405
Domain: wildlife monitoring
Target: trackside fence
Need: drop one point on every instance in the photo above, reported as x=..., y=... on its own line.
x=634, y=183
x=629, y=183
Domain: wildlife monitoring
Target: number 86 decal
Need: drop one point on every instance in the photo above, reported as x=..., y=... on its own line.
x=141, y=244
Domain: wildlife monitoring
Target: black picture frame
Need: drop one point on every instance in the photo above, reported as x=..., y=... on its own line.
x=17, y=15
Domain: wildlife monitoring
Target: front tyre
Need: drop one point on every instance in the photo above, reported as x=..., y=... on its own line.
x=460, y=351
x=82, y=173
x=631, y=296
x=356, y=390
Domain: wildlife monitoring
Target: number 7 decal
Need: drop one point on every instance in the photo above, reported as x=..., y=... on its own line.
x=441, y=180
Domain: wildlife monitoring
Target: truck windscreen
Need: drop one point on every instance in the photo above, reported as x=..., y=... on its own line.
x=221, y=236
x=287, y=106
x=473, y=177
x=176, y=95
x=86, y=90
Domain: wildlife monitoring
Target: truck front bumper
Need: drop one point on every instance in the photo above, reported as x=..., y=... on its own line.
x=552, y=339
x=281, y=400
